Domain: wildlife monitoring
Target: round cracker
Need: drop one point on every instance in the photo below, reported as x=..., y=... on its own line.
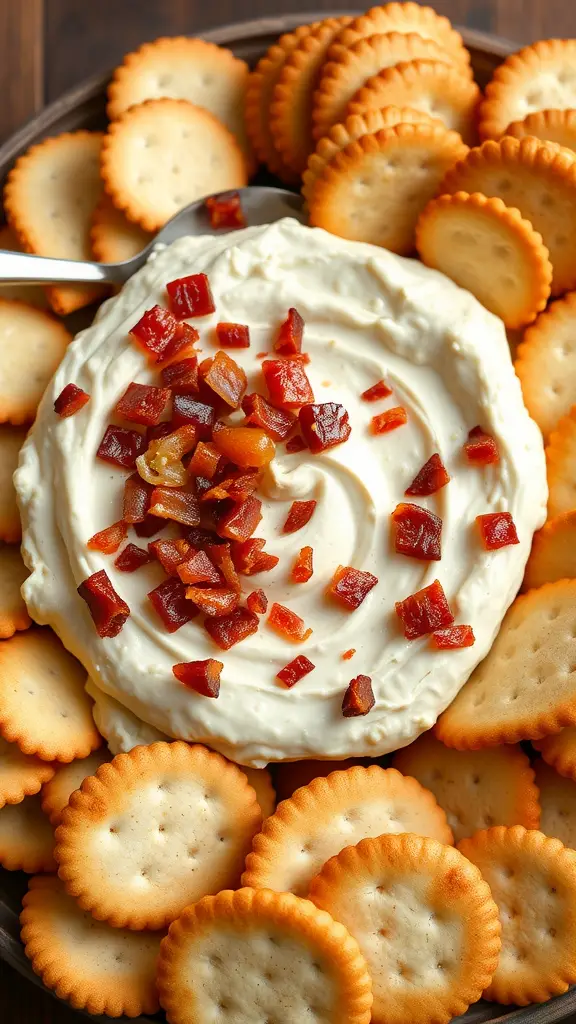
x=43, y=706
x=558, y=803
x=376, y=188
x=553, y=554
x=11, y=441
x=13, y=614
x=424, y=918
x=26, y=837
x=34, y=294
x=539, y=178
x=155, y=830
x=164, y=154
x=526, y=686
x=20, y=775
x=546, y=366
x=429, y=85
x=67, y=778
x=539, y=77
x=320, y=819
x=557, y=126
x=291, y=775
x=533, y=881
x=561, y=466
x=559, y=751
x=96, y=968
x=468, y=784
x=32, y=344
x=261, y=782
x=489, y=249
x=114, y=238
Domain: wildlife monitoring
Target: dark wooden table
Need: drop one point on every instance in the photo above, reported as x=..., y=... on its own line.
x=47, y=46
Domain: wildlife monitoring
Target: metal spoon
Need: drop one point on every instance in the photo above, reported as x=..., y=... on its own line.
x=260, y=204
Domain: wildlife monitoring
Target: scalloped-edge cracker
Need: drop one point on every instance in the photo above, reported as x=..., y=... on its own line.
x=559, y=751
x=553, y=553
x=561, y=466
x=20, y=774
x=11, y=441
x=546, y=366
x=114, y=238
x=558, y=804
x=26, y=837
x=557, y=126
x=13, y=614
x=30, y=338
x=34, y=294
x=66, y=780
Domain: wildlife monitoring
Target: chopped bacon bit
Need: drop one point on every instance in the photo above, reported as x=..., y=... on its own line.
x=359, y=697
x=425, y=611
x=300, y=513
x=214, y=601
x=132, y=558
x=199, y=569
x=136, y=501
x=302, y=569
x=170, y=554
x=324, y=426
x=238, y=486
x=206, y=460
x=109, y=612
x=418, y=532
x=431, y=478
x=376, y=392
x=220, y=555
x=452, y=638
x=350, y=586
x=289, y=340
x=70, y=400
x=181, y=375
x=179, y=504
x=497, y=530
x=257, y=602
x=157, y=432
x=263, y=563
x=276, y=422
x=262, y=355
x=247, y=447
x=142, y=403
x=295, y=670
x=109, y=540
x=169, y=601
x=288, y=624
x=150, y=526
x=348, y=654
x=245, y=554
x=227, y=630
x=121, y=446
x=287, y=383
x=389, y=420
x=201, y=676
x=233, y=335
x=200, y=537
x=227, y=379
x=162, y=463
x=190, y=296
x=481, y=448
x=188, y=410
x=225, y=211
x=161, y=336
x=242, y=519
x=295, y=445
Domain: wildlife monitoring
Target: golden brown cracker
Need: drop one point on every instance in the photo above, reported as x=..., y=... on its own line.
x=114, y=238
x=11, y=441
x=32, y=344
x=559, y=751
x=558, y=804
x=549, y=125
x=261, y=782
x=561, y=466
x=26, y=837
x=13, y=614
x=20, y=775
x=546, y=366
x=34, y=294
x=67, y=778
x=553, y=554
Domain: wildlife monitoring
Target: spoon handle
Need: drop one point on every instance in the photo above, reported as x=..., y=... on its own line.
x=21, y=268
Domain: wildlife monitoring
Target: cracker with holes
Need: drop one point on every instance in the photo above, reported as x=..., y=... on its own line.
x=155, y=830
x=557, y=126
x=261, y=956
x=49, y=200
x=114, y=238
x=97, y=968
x=546, y=365
x=180, y=68
x=20, y=775
x=558, y=804
x=539, y=179
x=261, y=782
x=13, y=614
x=26, y=837
x=161, y=155
x=67, y=778
x=539, y=77
x=553, y=553
x=43, y=706
x=32, y=344
x=489, y=249
x=559, y=751
x=468, y=784
x=561, y=466
x=533, y=881
x=429, y=85
x=526, y=686
x=424, y=918
x=320, y=819
x=290, y=775
x=11, y=441
x=376, y=188
x=34, y=294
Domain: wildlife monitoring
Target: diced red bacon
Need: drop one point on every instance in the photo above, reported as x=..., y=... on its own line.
x=225, y=211
x=233, y=335
x=170, y=554
x=136, y=501
x=247, y=447
x=418, y=532
x=277, y=423
x=346, y=655
x=350, y=586
x=132, y=558
x=289, y=340
x=157, y=432
x=109, y=612
x=109, y=540
x=238, y=486
x=121, y=446
x=497, y=530
x=182, y=375
x=263, y=563
x=425, y=611
x=213, y=601
x=359, y=697
x=287, y=383
x=389, y=420
x=228, y=630
x=300, y=513
x=161, y=464
x=150, y=526
x=199, y=537
x=257, y=602
x=245, y=554
x=220, y=555
x=376, y=392
x=242, y=519
x=179, y=504
x=142, y=403
x=227, y=379
x=295, y=670
x=201, y=676
x=190, y=296
x=324, y=426
x=169, y=602
x=481, y=448
x=187, y=410
x=199, y=569
x=295, y=444
x=453, y=638
x=288, y=624
x=206, y=460
x=302, y=569
x=161, y=337
x=431, y=478
x=70, y=400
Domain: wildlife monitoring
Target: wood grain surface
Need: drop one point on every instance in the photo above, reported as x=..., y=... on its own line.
x=47, y=46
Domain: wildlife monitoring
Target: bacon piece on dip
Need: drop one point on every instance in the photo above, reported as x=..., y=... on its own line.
x=190, y=296
x=233, y=335
x=132, y=558
x=142, y=403
x=225, y=211
x=257, y=602
x=70, y=400
x=453, y=638
x=324, y=426
x=109, y=540
x=288, y=624
x=497, y=530
x=431, y=478
x=168, y=600
x=227, y=379
x=121, y=446
x=295, y=670
x=418, y=532
x=109, y=612
x=289, y=340
x=481, y=448
x=259, y=413
x=201, y=676
x=389, y=420
x=300, y=513
x=161, y=337
x=302, y=569
x=425, y=611
x=228, y=630
x=359, y=698
x=287, y=383
x=350, y=586
x=376, y=392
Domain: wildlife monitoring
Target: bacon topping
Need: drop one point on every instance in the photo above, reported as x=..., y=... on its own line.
x=181, y=375
x=226, y=379
x=418, y=532
x=295, y=445
x=288, y=624
x=213, y=601
x=228, y=630
x=481, y=448
x=287, y=382
x=346, y=655
x=350, y=586
x=136, y=501
x=233, y=335
x=169, y=602
x=109, y=540
x=497, y=530
x=142, y=403
x=242, y=519
x=109, y=612
x=187, y=410
x=206, y=460
x=431, y=478
x=376, y=392
x=179, y=504
x=245, y=554
x=300, y=513
x=259, y=413
x=302, y=569
x=289, y=340
x=389, y=420
x=161, y=336
x=295, y=670
x=220, y=555
x=170, y=554
x=452, y=638
x=198, y=568
x=263, y=563
x=238, y=486
x=70, y=400
x=150, y=526
x=425, y=611
x=201, y=676
x=324, y=426
x=132, y=558
x=359, y=697
x=121, y=446
x=225, y=211
x=190, y=296
x=257, y=602
x=247, y=447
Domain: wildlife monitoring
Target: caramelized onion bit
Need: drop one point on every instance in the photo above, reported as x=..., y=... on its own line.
x=425, y=611
x=228, y=630
x=109, y=540
x=132, y=558
x=295, y=670
x=169, y=602
x=109, y=612
x=289, y=340
x=161, y=464
x=288, y=624
x=324, y=426
x=70, y=400
x=201, y=676
x=190, y=296
x=300, y=513
x=350, y=586
x=359, y=697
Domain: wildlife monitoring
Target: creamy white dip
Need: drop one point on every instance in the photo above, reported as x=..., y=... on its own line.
x=369, y=314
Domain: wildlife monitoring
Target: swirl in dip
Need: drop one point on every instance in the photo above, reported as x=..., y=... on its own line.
x=369, y=315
